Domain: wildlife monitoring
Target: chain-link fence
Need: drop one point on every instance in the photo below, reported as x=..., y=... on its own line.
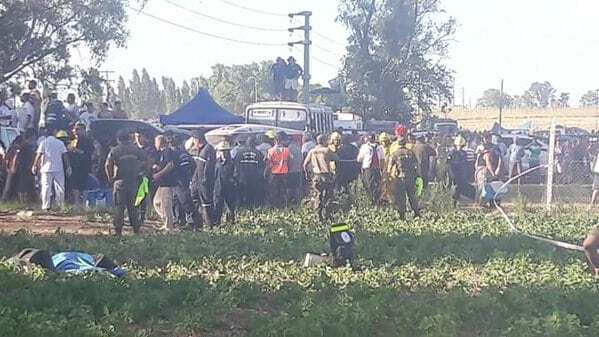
x=560, y=175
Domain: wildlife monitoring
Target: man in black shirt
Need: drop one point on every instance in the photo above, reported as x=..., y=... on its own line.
x=81, y=150
x=460, y=171
x=184, y=171
x=202, y=181
x=144, y=144
x=249, y=168
x=123, y=165
x=294, y=72
x=165, y=178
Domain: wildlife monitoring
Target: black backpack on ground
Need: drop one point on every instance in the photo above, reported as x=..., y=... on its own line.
x=342, y=243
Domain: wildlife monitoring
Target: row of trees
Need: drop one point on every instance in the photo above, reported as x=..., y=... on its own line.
x=234, y=87
x=538, y=95
x=393, y=67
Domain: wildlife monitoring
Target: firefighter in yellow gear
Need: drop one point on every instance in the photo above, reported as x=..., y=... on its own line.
x=403, y=168
x=386, y=185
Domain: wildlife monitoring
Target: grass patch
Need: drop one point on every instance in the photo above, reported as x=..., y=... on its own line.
x=451, y=273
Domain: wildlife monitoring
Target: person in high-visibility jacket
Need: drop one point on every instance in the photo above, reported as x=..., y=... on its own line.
x=278, y=159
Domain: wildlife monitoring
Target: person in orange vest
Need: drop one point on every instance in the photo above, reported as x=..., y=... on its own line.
x=278, y=159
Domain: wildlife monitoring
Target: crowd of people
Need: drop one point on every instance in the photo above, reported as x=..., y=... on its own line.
x=35, y=111
x=191, y=183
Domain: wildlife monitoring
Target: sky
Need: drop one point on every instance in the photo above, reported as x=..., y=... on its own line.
x=519, y=41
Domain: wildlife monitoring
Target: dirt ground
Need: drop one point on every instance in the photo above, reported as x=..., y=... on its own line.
x=50, y=224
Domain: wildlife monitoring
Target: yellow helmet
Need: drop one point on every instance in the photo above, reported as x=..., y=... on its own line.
x=384, y=137
x=223, y=146
x=335, y=136
x=62, y=134
x=271, y=134
x=459, y=141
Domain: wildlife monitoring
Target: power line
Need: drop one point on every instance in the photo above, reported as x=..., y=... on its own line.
x=264, y=29
x=329, y=39
x=139, y=11
x=326, y=50
x=259, y=11
x=325, y=63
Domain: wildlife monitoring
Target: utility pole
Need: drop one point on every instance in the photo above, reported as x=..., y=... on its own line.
x=501, y=105
x=306, y=43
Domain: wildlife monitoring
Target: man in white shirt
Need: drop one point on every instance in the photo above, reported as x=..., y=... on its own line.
x=25, y=113
x=50, y=161
x=72, y=108
x=88, y=115
x=6, y=113
x=371, y=158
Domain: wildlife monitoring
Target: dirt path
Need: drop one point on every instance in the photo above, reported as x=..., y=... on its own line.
x=49, y=224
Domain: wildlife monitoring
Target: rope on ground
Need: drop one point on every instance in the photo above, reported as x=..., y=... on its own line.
x=560, y=244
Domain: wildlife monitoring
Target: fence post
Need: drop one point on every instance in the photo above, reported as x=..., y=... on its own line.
x=550, y=165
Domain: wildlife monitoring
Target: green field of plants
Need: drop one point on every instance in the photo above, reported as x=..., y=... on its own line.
x=448, y=274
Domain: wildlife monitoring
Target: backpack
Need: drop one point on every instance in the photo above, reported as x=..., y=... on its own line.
x=342, y=244
x=405, y=165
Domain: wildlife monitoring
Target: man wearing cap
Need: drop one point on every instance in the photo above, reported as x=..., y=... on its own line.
x=51, y=161
x=403, y=168
x=202, y=181
x=319, y=161
x=249, y=165
x=123, y=166
x=224, y=184
x=81, y=150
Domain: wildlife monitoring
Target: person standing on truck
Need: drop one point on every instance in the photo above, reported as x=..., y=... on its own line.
x=279, y=74
x=294, y=72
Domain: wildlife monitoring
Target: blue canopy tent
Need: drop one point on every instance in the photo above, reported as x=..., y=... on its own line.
x=201, y=110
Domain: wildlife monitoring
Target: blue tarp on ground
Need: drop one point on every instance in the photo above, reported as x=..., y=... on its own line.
x=202, y=109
